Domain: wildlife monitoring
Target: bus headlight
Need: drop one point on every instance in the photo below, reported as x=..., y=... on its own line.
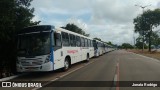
x=47, y=59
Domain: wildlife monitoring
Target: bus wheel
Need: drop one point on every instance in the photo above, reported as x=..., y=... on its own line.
x=66, y=65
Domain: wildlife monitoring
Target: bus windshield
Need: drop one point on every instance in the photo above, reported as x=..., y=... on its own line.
x=34, y=44
x=95, y=44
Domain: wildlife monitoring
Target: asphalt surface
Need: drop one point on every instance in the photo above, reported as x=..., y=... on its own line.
x=106, y=72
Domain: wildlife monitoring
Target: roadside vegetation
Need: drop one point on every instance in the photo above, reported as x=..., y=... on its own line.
x=15, y=15
x=152, y=54
x=144, y=25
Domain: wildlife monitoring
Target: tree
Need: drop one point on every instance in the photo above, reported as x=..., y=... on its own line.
x=127, y=46
x=155, y=38
x=139, y=43
x=110, y=43
x=72, y=27
x=15, y=15
x=119, y=47
x=145, y=22
x=97, y=38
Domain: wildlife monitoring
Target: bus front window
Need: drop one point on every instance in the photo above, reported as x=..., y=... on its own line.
x=34, y=44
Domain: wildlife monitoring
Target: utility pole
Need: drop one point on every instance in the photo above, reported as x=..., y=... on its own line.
x=134, y=41
x=143, y=7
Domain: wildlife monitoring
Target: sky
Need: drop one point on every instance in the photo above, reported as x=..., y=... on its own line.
x=109, y=20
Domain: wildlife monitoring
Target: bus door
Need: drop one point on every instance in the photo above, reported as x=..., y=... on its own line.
x=58, y=53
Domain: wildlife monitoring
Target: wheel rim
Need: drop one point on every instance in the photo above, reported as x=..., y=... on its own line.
x=66, y=64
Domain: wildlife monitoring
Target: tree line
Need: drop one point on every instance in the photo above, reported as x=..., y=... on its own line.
x=15, y=15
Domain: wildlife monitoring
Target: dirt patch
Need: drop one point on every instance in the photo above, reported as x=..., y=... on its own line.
x=152, y=54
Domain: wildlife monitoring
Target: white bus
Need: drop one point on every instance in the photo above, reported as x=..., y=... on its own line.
x=99, y=48
x=108, y=48
x=47, y=48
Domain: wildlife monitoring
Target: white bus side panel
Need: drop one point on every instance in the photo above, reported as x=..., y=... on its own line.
x=91, y=52
x=58, y=59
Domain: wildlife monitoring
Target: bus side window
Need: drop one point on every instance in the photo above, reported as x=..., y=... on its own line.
x=57, y=38
x=97, y=44
x=65, y=39
x=71, y=39
x=86, y=44
x=74, y=40
x=78, y=41
x=82, y=42
x=91, y=43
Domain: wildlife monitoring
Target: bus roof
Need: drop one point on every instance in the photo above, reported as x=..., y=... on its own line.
x=67, y=31
x=36, y=28
x=41, y=28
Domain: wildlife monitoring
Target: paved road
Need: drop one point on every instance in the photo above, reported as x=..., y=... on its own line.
x=114, y=67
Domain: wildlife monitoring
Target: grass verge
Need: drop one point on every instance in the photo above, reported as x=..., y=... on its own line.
x=152, y=54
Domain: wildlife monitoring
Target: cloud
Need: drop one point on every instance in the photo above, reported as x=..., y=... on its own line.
x=116, y=35
x=52, y=11
x=113, y=11
x=158, y=4
x=110, y=20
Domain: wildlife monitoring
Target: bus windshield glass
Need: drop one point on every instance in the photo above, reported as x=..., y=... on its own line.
x=95, y=44
x=34, y=44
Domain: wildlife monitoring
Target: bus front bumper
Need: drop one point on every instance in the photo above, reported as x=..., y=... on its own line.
x=44, y=67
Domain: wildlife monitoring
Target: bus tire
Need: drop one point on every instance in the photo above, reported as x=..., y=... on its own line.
x=66, y=64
